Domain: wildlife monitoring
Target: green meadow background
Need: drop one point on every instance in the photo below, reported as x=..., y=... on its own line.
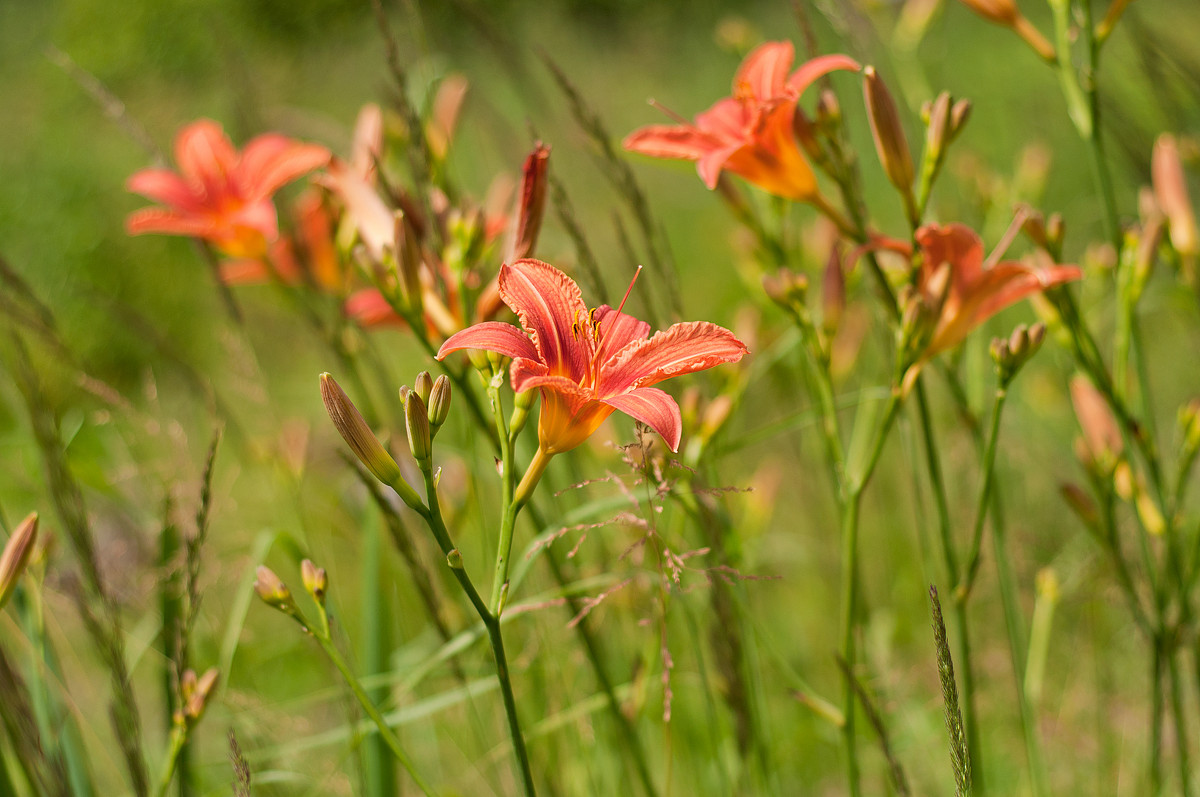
x=142, y=315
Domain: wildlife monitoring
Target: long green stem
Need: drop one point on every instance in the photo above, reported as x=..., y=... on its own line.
x=510, y=704
x=175, y=747
x=385, y=731
x=1179, y=715
x=963, y=591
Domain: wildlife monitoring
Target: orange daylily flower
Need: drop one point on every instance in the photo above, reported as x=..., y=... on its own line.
x=588, y=363
x=309, y=255
x=220, y=194
x=752, y=132
x=976, y=292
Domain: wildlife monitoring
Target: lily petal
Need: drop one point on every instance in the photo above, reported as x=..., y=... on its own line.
x=682, y=349
x=271, y=161
x=682, y=142
x=205, y=156
x=617, y=330
x=764, y=72
x=549, y=305
x=162, y=185
x=168, y=221
x=375, y=222
x=492, y=336
x=818, y=67
x=653, y=407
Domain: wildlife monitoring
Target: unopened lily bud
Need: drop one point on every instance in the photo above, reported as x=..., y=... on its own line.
x=439, y=402
x=315, y=580
x=806, y=137
x=1002, y=12
x=887, y=131
x=532, y=203
x=194, y=693
x=423, y=386
x=408, y=260
x=1000, y=352
x=1170, y=188
x=354, y=430
x=1101, y=434
x=960, y=112
x=454, y=559
x=829, y=111
x=936, y=115
x=715, y=415
x=16, y=555
x=416, y=419
x=1018, y=341
x=1034, y=226
x=273, y=592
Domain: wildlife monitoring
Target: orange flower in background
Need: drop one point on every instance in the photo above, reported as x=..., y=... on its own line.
x=976, y=292
x=750, y=133
x=308, y=255
x=219, y=194
x=588, y=363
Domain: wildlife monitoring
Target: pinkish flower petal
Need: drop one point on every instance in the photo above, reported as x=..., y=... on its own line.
x=617, y=330
x=206, y=157
x=682, y=349
x=764, y=71
x=670, y=141
x=491, y=336
x=551, y=309
x=712, y=163
x=956, y=244
x=728, y=122
x=808, y=72
x=369, y=308
x=653, y=407
x=368, y=141
x=169, y=222
x=162, y=185
x=271, y=161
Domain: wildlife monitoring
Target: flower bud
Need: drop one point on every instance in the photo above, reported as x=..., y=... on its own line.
x=194, y=693
x=829, y=111
x=786, y=288
x=1081, y=503
x=887, y=131
x=439, y=402
x=1189, y=425
x=532, y=203
x=454, y=559
x=960, y=112
x=423, y=386
x=1002, y=12
x=315, y=580
x=1101, y=434
x=16, y=555
x=1170, y=189
x=416, y=419
x=937, y=126
x=354, y=430
x=273, y=592
x=408, y=261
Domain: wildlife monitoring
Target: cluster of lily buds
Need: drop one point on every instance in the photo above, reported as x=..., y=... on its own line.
x=787, y=289
x=194, y=692
x=16, y=555
x=944, y=119
x=1046, y=232
x=426, y=407
x=1012, y=352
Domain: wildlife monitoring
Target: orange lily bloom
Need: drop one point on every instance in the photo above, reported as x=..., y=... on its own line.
x=309, y=255
x=752, y=132
x=588, y=363
x=220, y=194
x=976, y=292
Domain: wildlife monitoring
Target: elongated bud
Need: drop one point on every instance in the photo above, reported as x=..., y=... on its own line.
x=1002, y=12
x=829, y=111
x=532, y=203
x=960, y=112
x=1189, y=425
x=354, y=430
x=273, y=592
x=887, y=131
x=439, y=402
x=416, y=419
x=315, y=580
x=786, y=288
x=937, y=127
x=408, y=261
x=16, y=555
x=423, y=386
x=1101, y=434
x=1170, y=189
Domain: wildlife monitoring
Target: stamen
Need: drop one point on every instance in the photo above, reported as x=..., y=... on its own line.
x=1009, y=235
x=620, y=307
x=677, y=117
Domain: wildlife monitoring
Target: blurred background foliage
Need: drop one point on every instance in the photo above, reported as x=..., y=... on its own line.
x=142, y=315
